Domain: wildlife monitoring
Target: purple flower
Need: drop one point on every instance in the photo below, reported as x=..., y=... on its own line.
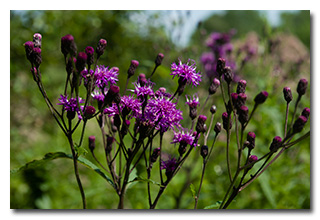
x=103, y=76
x=169, y=165
x=187, y=72
x=184, y=137
x=131, y=105
x=112, y=110
x=194, y=102
x=70, y=105
x=163, y=113
x=98, y=95
x=144, y=90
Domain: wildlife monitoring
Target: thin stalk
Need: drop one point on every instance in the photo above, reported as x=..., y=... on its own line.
x=286, y=121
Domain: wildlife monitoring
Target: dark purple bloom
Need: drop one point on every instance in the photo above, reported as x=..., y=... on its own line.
x=184, y=137
x=89, y=111
x=104, y=76
x=187, y=72
x=144, y=90
x=253, y=158
x=194, y=102
x=163, y=113
x=68, y=45
x=70, y=105
x=130, y=105
x=169, y=165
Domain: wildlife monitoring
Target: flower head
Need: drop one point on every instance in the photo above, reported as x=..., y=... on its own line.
x=184, y=137
x=103, y=76
x=70, y=105
x=169, y=165
x=144, y=90
x=187, y=72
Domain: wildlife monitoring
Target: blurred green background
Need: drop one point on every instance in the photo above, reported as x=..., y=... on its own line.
x=283, y=58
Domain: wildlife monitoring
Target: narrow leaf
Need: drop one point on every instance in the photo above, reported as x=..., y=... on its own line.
x=215, y=205
x=193, y=190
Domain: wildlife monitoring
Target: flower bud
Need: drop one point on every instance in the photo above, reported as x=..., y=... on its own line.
x=155, y=155
x=117, y=121
x=276, y=143
x=299, y=124
x=133, y=66
x=37, y=40
x=200, y=127
x=81, y=61
x=69, y=66
x=36, y=57
x=29, y=50
x=261, y=97
x=251, y=138
x=89, y=111
x=243, y=114
x=113, y=95
x=302, y=87
x=213, y=109
x=241, y=88
x=214, y=86
x=242, y=98
x=90, y=58
x=287, y=94
x=68, y=45
x=217, y=128
x=228, y=75
x=252, y=158
x=221, y=63
x=159, y=59
x=204, y=151
x=234, y=98
x=182, y=148
x=225, y=119
x=101, y=47
x=306, y=113
x=92, y=143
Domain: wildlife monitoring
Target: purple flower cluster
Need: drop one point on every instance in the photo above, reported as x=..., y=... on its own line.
x=221, y=47
x=184, y=137
x=70, y=105
x=187, y=72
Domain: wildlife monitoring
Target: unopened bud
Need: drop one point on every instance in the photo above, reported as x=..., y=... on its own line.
x=306, y=113
x=243, y=114
x=217, y=127
x=213, y=109
x=276, y=143
x=110, y=141
x=37, y=40
x=299, y=124
x=36, y=57
x=204, y=151
x=89, y=111
x=133, y=66
x=225, y=119
x=68, y=45
x=287, y=94
x=90, y=57
x=29, y=50
x=214, y=86
x=302, y=87
x=228, y=75
x=241, y=88
x=113, y=95
x=81, y=61
x=200, y=127
x=221, y=63
x=261, y=97
x=251, y=137
x=159, y=59
x=101, y=47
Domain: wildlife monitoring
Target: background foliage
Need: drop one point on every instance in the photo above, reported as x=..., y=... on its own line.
x=133, y=35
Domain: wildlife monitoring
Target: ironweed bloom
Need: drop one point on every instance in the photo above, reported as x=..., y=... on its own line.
x=184, y=137
x=186, y=72
x=68, y=45
x=169, y=165
x=104, y=76
x=70, y=105
x=193, y=103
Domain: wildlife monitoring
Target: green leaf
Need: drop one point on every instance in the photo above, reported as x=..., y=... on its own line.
x=140, y=179
x=55, y=155
x=80, y=150
x=193, y=190
x=215, y=205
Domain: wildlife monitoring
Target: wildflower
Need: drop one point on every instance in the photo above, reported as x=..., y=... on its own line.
x=252, y=158
x=37, y=40
x=243, y=114
x=193, y=103
x=70, y=105
x=186, y=72
x=145, y=90
x=112, y=95
x=163, y=113
x=213, y=109
x=225, y=118
x=228, y=75
x=89, y=111
x=169, y=165
x=36, y=56
x=29, y=49
x=184, y=137
x=251, y=137
x=129, y=104
x=161, y=92
x=103, y=76
x=217, y=128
